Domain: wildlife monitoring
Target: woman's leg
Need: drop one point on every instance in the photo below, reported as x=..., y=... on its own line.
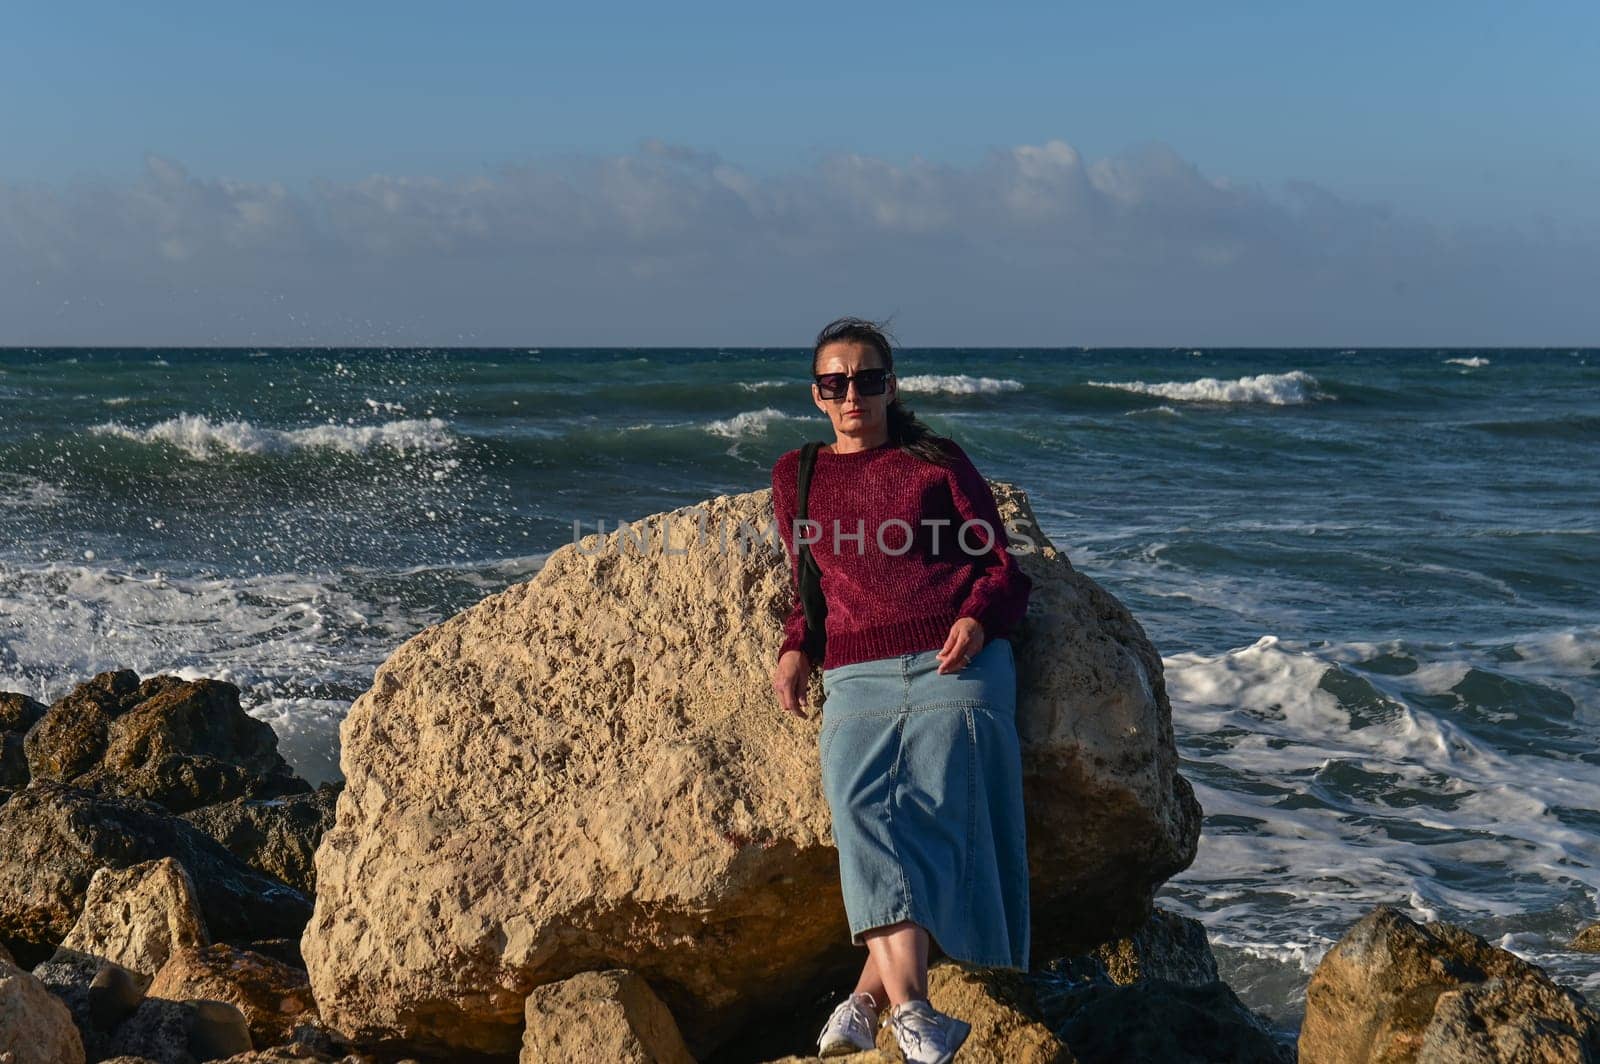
x=899, y=955
x=872, y=983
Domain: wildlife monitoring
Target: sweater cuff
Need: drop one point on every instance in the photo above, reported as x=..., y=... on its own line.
x=791, y=642
x=983, y=615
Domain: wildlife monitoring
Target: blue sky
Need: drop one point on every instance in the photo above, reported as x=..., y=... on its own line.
x=1449, y=115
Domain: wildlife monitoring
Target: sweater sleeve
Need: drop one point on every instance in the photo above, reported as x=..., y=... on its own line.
x=998, y=598
x=784, y=502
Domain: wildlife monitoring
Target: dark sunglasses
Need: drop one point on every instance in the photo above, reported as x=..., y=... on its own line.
x=868, y=382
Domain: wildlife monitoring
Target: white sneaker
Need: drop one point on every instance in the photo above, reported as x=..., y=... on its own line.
x=926, y=1035
x=850, y=1029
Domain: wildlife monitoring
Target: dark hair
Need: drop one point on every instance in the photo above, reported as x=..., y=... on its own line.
x=905, y=428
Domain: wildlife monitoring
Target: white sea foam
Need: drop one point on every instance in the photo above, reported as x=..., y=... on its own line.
x=117, y=400
x=756, y=386
x=200, y=437
x=299, y=646
x=957, y=384
x=1279, y=389
x=1474, y=361
x=1317, y=800
x=748, y=423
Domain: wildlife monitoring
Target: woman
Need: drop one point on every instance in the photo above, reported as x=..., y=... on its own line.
x=921, y=765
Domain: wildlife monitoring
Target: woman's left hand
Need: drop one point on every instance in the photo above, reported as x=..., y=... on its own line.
x=961, y=646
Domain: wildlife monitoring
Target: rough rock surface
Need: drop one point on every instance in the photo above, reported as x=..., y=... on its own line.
x=58, y=836
x=1157, y=1019
x=1168, y=946
x=35, y=1026
x=181, y=743
x=278, y=836
x=71, y=976
x=609, y=1017
x=1001, y=1006
x=589, y=770
x=273, y=996
x=18, y=713
x=137, y=916
x=1392, y=990
x=1587, y=940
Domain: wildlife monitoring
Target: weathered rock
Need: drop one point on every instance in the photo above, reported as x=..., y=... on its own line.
x=158, y=1031
x=1392, y=990
x=609, y=1017
x=1007, y=1022
x=218, y=1029
x=137, y=916
x=58, y=836
x=1167, y=946
x=588, y=770
x=35, y=1026
x=1511, y=1020
x=1587, y=940
x=277, y=836
x=1159, y=1020
x=273, y=997
x=182, y=1032
x=18, y=713
x=114, y=993
x=310, y=1041
x=99, y=994
x=181, y=743
x=283, y=950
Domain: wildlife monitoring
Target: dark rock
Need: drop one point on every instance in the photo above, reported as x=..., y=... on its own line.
x=18, y=713
x=71, y=736
x=1168, y=946
x=1158, y=1021
x=277, y=836
x=158, y=1030
x=286, y=950
x=114, y=993
x=182, y=743
x=58, y=835
x=71, y=976
x=217, y=1029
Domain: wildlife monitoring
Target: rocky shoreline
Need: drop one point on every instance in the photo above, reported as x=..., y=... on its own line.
x=572, y=827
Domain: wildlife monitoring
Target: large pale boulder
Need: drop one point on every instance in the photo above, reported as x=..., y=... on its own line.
x=589, y=770
x=1393, y=991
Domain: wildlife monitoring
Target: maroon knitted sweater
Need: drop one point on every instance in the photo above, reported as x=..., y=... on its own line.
x=884, y=598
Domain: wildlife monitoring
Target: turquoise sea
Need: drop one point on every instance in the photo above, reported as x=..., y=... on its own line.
x=1374, y=575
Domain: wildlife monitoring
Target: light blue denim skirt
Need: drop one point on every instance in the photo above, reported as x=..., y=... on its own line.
x=923, y=777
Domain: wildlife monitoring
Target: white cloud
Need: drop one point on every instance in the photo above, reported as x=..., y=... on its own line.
x=672, y=244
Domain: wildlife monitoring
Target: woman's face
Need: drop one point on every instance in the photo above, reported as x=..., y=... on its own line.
x=861, y=417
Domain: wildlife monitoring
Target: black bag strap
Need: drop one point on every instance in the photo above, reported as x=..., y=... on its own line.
x=810, y=575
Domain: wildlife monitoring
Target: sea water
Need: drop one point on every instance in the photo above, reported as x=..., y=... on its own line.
x=1373, y=575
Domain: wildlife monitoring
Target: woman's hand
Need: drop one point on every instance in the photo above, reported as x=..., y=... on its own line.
x=961, y=645
x=790, y=680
